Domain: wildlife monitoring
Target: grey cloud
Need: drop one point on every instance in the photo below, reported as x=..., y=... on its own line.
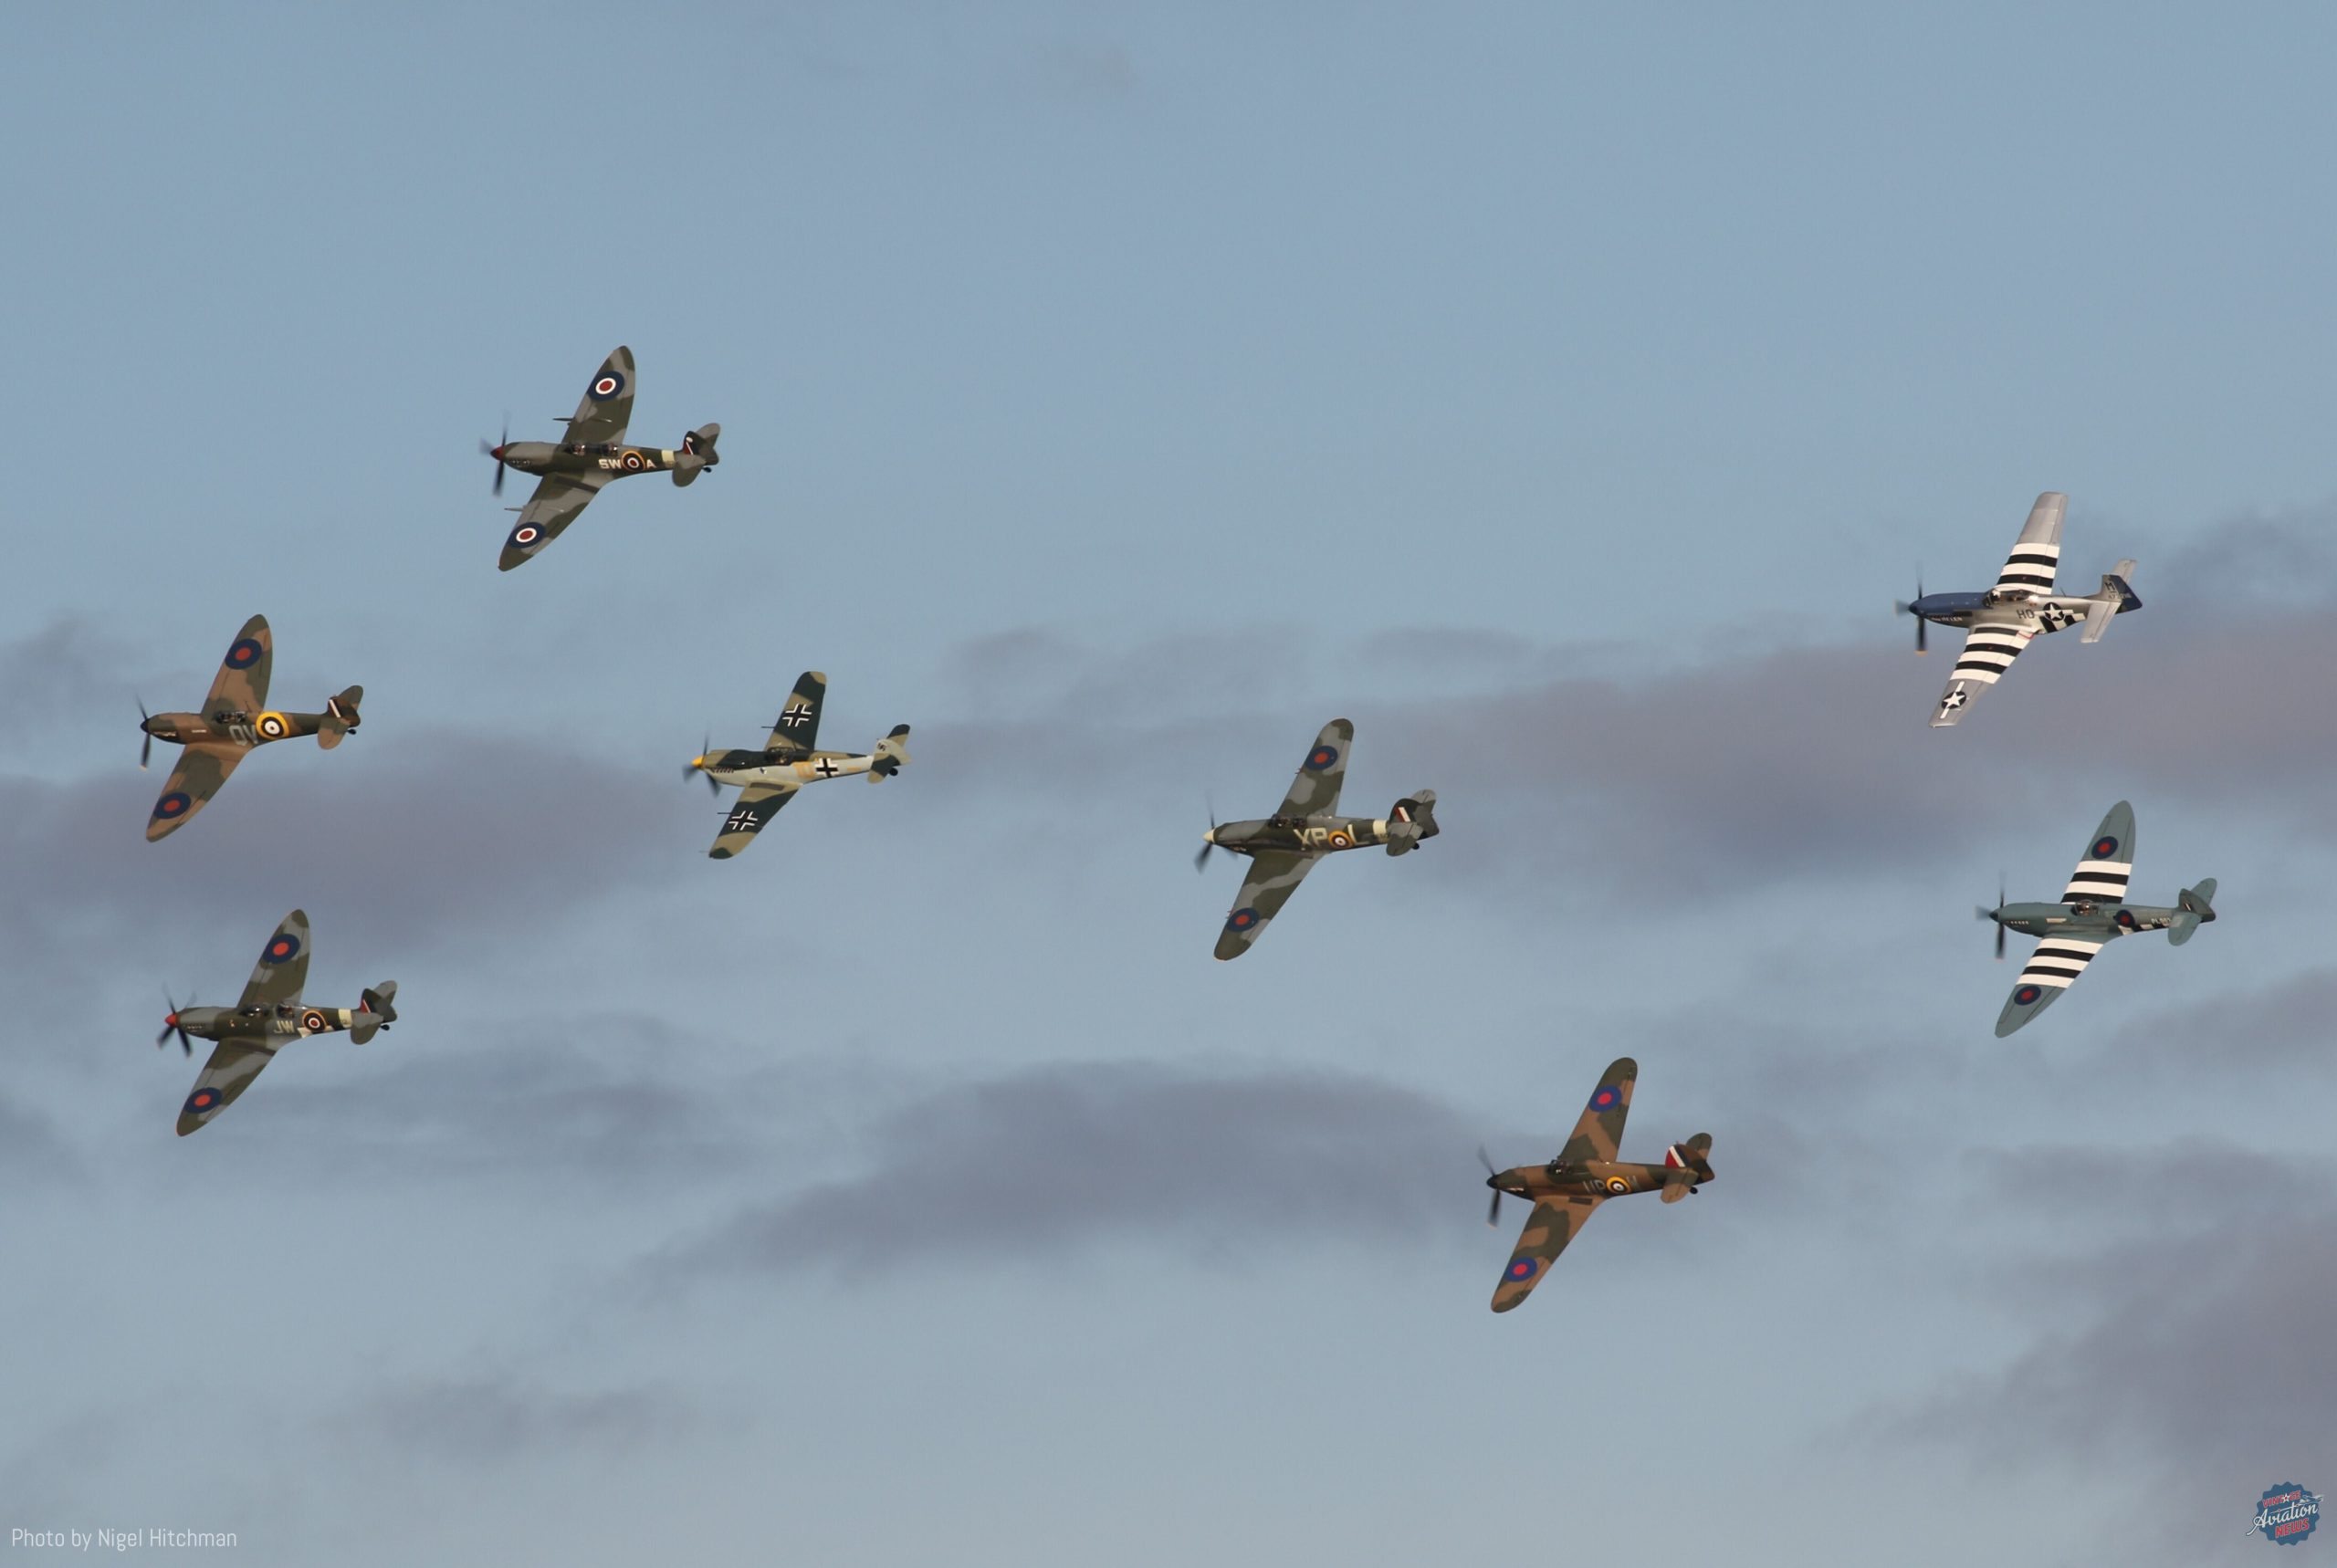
x=497, y=1419
x=2283, y=1027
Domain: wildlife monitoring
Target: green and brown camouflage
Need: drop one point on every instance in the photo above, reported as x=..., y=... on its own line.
x=767, y=779
x=2093, y=913
x=1283, y=848
x=235, y=721
x=593, y=453
x=266, y=1018
x=1567, y=1191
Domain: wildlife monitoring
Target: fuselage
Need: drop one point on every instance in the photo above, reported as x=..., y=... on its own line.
x=226, y=726
x=1602, y=1179
x=267, y=1026
x=2047, y=612
x=2093, y=921
x=745, y=768
x=1299, y=835
x=614, y=459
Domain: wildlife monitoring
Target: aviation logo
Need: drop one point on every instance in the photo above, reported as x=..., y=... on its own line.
x=2287, y=1513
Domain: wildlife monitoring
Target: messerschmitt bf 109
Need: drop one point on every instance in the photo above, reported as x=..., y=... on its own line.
x=768, y=779
x=235, y=720
x=2022, y=605
x=267, y=1018
x=2093, y=913
x=1285, y=847
x=1569, y=1189
x=592, y=453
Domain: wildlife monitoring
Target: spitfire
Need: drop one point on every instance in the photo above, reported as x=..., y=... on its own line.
x=1568, y=1190
x=1285, y=847
x=2021, y=607
x=768, y=779
x=2093, y=913
x=591, y=453
x=236, y=719
x=268, y=1016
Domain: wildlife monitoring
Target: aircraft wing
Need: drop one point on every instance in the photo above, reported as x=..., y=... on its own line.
x=2053, y=969
x=241, y=684
x=1272, y=878
x=1549, y=1228
x=607, y=407
x=1315, y=791
x=2037, y=554
x=283, y=966
x=201, y=770
x=558, y=499
x=1598, y=1132
x=2107, y=861
x=226, y=1075
x=1990, y=649
x=758, y=804
x=798, y=729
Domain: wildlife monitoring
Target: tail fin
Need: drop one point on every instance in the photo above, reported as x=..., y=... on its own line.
x=1411, y=820
x=892, y=754
x=1692, y=1162
x=373, y=1012
x=697, y=451
x=341, y=716
x=2117, y=597
x=2198, y=906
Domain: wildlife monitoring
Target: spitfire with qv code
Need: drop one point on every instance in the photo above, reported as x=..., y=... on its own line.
x=589, y=456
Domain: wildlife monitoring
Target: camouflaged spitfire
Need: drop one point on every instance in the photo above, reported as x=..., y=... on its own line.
x=592, y=453
x=235, y=718
x=1568, y=1190
x=1285, y=847
x=2021, y=607
x=268, y=1016
x=2093, y=913
x=768, y=779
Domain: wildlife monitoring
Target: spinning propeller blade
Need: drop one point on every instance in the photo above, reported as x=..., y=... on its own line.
x=1493, y=1210
x=1983, y=912
x=1907, y=607
x=146, y=748
x=1200, y=861
x=171, y=1026
x=496, y=452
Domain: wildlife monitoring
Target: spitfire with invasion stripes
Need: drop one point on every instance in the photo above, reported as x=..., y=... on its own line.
x=2094, y=913
x=1568, y=1190
x=2022, y=606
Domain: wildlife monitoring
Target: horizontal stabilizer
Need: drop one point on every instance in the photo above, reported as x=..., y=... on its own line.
x=2097, y=618
x=2198, y=908
x=374, y=1012
x=687, y=465
x=892, y=755
x=2182, y=928
x=1410, y=821
x=340, y=717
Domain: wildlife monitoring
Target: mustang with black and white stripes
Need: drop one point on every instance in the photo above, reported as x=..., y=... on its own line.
x=2022, y=605
x=2093, y=913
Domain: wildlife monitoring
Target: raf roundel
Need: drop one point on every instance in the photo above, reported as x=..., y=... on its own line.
x=525, y=535
x=1524, y=1268
x=273, y=726
x=244, y=654
x=1322, y=756
x=203, y=1099
x=174, y=805
x=2104, y=847
x=2025, y=995
x=1619, y=1184
x=280, y=947
x=610, y=385
x=1242, y=920
x=1606, y=1097
x=314, y=1022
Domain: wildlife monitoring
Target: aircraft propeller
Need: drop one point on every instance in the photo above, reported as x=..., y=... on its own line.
x=146, y=749
x=496, y=452
x=1200, y=861
x=1493, y=1210
x=171, y=1026
x=1997, y=915
x=1907, y=607
x=699, y=767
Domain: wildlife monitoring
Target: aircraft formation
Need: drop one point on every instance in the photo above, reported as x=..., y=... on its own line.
x=1281, y=849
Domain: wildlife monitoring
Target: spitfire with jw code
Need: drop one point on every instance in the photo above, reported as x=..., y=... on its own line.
x=235, y=720
x=266, y=1018
x=768, y=779
x=592, y=453
x=1285, y=847
x=2022, y=606
x=2093, y=913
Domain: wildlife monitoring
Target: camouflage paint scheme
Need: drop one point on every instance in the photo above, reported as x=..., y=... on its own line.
x=235, y=721
x=768, y=779
x=1285, y=846
x=1568, y=1190
x=2021, y=606
x=2093, y=913
x=592, y=453
x=267, y=1018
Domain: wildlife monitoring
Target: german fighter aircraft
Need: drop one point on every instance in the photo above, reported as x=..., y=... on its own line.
x=2022, y=605
x=2094, y=913
x=592, y=453
x=266, y=1019
x=234, y=719
x=1285, y=847
x=768, y=779
x=1569, y=1189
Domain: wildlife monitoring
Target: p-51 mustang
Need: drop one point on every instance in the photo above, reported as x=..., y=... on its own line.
x=591, y=453
x=267, y=1018
x=234, y=719
x=1285, y=847
x=2094, y=913
x=1569, y=1189
x=768, y=779
x=2021, y=606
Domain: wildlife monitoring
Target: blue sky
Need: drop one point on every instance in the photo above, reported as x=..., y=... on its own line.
x=1115, y=393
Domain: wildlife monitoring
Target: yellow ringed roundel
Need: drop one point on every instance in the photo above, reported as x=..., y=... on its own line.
x=273, y=726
